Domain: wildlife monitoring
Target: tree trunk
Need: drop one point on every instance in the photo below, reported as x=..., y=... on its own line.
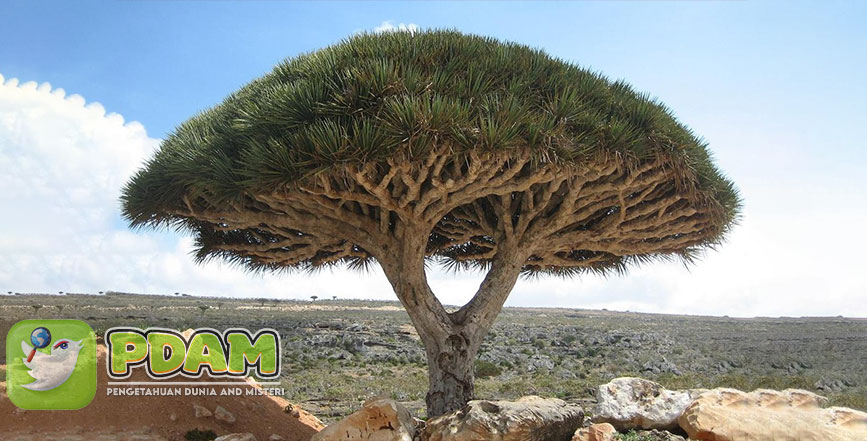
x=450, y=374
x=451, y=340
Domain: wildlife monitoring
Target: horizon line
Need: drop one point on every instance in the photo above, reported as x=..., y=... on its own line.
x=326, y=299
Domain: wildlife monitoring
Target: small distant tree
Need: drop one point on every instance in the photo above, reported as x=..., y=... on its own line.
x=59, y=308
x=313, y=298
x=333, y=297
x=204, y=308
x=36, y=308
x=437, y=148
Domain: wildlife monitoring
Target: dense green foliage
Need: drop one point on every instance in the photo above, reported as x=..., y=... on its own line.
x=486, y=369
x=377, y=95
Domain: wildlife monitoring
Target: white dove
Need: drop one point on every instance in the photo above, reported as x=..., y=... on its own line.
x=52, y=370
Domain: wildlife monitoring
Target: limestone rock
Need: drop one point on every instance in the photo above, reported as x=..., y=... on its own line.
x=636, y=403
x=237, y=437
x=224, y=415
x=378, y=420
x=596, y=432
x=826, y=385
x=295, y=411
x=201, y=411
x=768, y=415
x=275, y=437
x=527, y=419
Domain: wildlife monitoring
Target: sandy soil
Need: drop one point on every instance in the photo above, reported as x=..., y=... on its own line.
x=155, y=418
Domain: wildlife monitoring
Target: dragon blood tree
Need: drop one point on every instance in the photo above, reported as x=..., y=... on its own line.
x=399, y=149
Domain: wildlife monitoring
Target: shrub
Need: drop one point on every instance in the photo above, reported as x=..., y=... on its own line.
x=200, y=435
x=486, y=369
x=634, y=436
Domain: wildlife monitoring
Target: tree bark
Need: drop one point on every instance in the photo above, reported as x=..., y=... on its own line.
x=450, y=373
x=451, y=340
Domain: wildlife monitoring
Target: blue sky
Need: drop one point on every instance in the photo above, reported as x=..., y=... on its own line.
x=777, y=88
x=161, y=61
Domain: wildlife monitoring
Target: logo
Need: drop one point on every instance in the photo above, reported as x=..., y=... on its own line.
x=167, y=353
x=51, y=364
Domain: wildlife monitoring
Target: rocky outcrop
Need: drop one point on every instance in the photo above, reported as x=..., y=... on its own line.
x=377, y=420
x=527, y=419
x=768, y=415
x=596, y=432
x=636, y=403
x=826, y=385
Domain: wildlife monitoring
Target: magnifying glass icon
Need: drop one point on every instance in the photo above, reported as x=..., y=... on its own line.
x=39, y=338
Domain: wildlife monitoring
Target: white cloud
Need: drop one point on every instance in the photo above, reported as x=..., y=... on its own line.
x=64, y=161
x=388, y=26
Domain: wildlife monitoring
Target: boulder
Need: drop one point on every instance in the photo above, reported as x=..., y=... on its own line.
x=826, y=385
x=768, y=415
x=201, y=411
x=596, y=432
x=377, y=420
x=236, y=437
x=527, y=419
x=636, y=403
x=660, y=366
x=220, y=413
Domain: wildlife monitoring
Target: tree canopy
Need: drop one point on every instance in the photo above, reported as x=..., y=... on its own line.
x=469, y=140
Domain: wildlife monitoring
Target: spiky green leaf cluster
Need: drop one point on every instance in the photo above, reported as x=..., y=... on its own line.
x=374, y=96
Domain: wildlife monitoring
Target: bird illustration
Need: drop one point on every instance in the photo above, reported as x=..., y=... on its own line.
x=52, y=370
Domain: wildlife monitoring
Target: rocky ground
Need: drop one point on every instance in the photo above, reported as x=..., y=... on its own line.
x=628, y=409
x=339, y=353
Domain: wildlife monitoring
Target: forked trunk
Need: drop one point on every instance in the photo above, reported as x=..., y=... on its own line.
x=451, y=340
x=451, y=343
